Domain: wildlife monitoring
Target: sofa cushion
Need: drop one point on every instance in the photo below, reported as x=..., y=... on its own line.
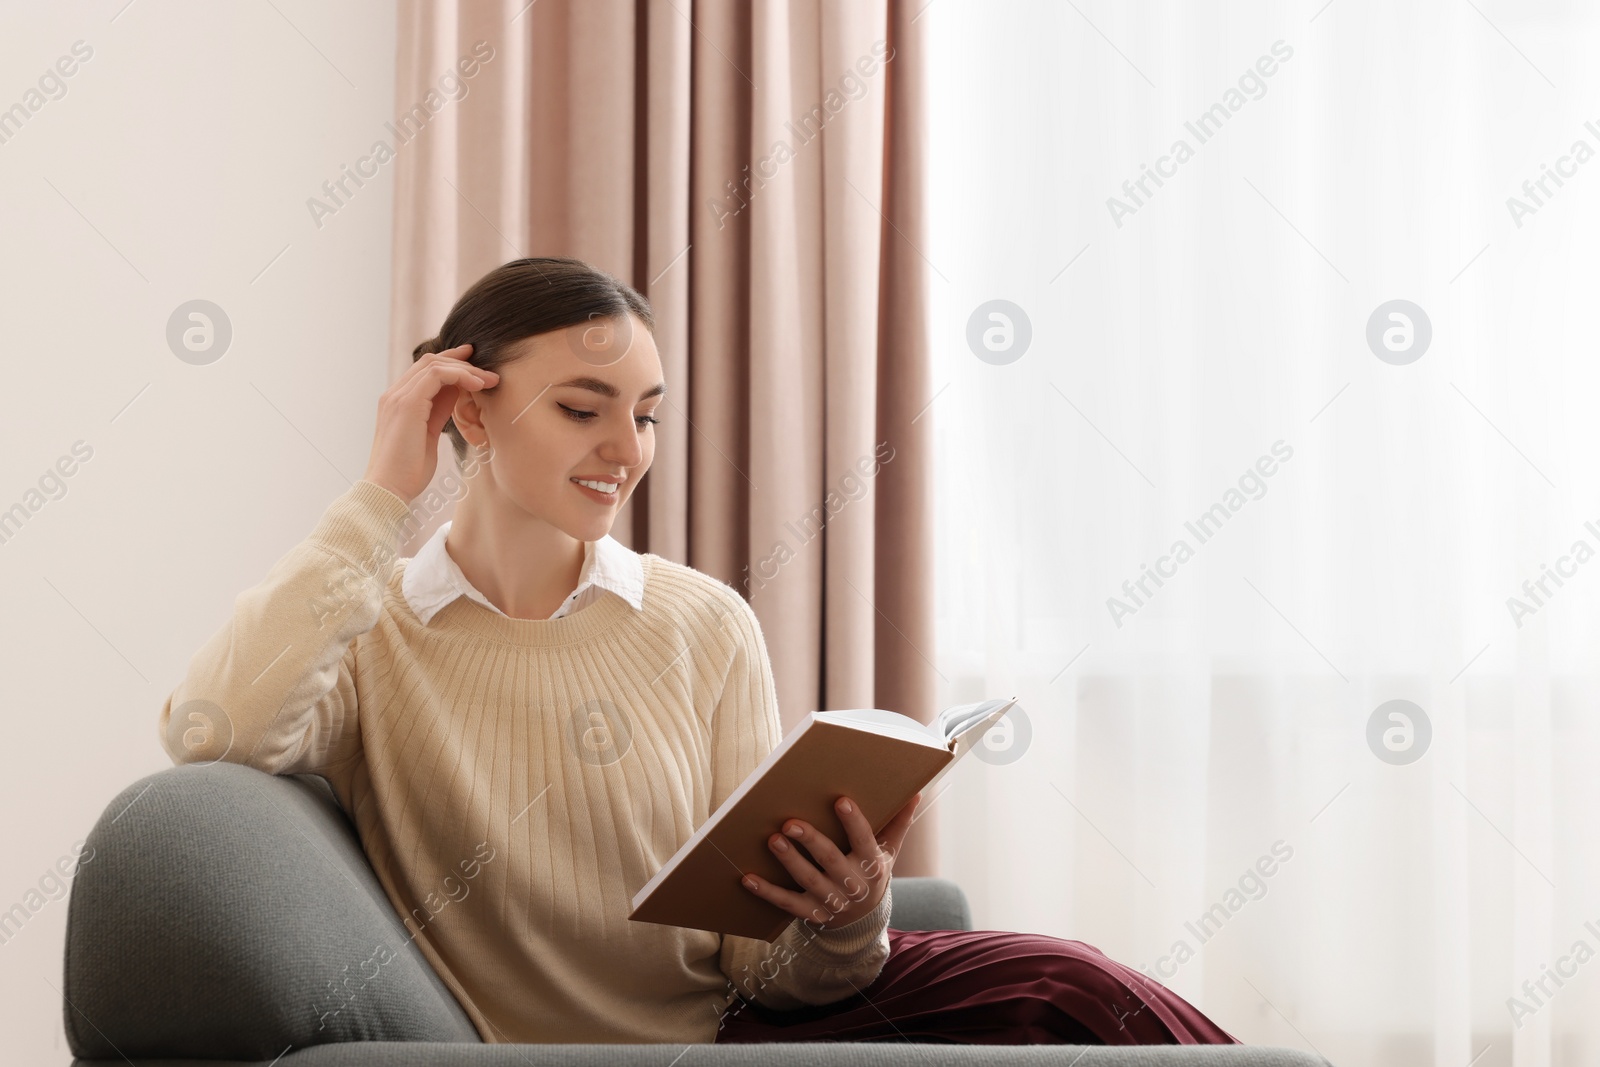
x=227, y=913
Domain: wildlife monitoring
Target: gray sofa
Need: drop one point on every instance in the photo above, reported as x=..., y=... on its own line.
x=183, y=951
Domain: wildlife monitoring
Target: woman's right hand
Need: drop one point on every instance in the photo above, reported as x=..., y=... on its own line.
x=412, y=414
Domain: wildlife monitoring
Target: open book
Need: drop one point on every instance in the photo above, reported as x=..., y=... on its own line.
x=879, y=759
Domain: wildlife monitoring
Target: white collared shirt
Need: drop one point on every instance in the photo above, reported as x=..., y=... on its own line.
x=432, y=579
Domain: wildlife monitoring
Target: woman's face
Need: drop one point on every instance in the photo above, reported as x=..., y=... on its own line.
x=575, y=404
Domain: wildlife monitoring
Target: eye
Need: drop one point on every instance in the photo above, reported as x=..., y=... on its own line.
x=584, y=416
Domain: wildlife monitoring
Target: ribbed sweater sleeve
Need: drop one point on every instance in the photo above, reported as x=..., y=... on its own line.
x=805, y=965
x=274, y=687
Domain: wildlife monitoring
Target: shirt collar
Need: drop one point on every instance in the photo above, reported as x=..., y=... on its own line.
x=432, y=579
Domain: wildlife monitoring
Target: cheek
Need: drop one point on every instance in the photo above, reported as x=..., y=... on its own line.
x=638, y=473
x=542, y=448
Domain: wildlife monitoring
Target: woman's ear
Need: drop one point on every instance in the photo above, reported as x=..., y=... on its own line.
x=468, y=417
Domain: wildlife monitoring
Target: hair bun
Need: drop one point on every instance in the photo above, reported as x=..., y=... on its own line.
x=430, y=345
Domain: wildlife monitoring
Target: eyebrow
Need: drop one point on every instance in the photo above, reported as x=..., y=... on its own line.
x=606, y=389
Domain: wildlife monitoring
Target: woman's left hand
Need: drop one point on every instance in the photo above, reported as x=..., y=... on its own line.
x=848, y=886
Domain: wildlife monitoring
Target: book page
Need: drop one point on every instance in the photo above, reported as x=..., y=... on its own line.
x=956, y=721
x=976, y=723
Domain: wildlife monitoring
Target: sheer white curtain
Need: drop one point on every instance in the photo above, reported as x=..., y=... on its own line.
x=1204, y=750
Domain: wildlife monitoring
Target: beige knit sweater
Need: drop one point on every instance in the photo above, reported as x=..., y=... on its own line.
x=515, y=782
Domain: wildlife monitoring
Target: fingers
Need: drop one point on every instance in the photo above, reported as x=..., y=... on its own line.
x=458, y=352
x=848, y=878
x=786, y=848
x=433, y=392
x=818, y=844
x=844, y=874
x=428, y=368
x=797, y=904
x=428, y=378
x=856, y=826
x=413, y=411
x=434, y=376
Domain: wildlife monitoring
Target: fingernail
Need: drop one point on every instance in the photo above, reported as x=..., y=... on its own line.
x=794, y=831
x=780, y=845
x=749, y=883
x=844, y=806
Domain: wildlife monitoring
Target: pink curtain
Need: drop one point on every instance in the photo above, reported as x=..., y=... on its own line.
x=756, y=170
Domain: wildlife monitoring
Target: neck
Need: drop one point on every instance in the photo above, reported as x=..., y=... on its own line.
x=525, y=566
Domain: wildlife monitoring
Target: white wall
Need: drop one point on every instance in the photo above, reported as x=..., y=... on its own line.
x=176, y=166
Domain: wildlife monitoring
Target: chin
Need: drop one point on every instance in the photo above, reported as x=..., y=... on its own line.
x=594, y=533
x=588, y=529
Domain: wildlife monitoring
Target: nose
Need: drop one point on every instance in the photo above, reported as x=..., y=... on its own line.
x=622, y=445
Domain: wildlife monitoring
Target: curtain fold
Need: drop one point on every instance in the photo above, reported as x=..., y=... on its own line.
x=756, y=170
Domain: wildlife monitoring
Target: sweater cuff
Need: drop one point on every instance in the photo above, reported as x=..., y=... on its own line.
x=843, y=944
x=364, y=524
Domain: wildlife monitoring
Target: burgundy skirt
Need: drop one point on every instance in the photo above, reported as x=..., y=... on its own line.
x=989, y=987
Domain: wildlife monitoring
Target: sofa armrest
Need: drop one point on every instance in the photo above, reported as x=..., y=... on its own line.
x=229, y=914
x=928, y=904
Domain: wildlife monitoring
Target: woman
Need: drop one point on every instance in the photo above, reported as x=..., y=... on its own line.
x=526, y=720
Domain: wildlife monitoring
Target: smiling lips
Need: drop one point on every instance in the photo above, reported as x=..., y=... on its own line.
x=601, y=491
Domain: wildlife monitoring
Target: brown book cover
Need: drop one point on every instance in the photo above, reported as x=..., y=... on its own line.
x=879, y=759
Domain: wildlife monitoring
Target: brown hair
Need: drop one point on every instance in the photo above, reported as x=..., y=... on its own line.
x=524, y=298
